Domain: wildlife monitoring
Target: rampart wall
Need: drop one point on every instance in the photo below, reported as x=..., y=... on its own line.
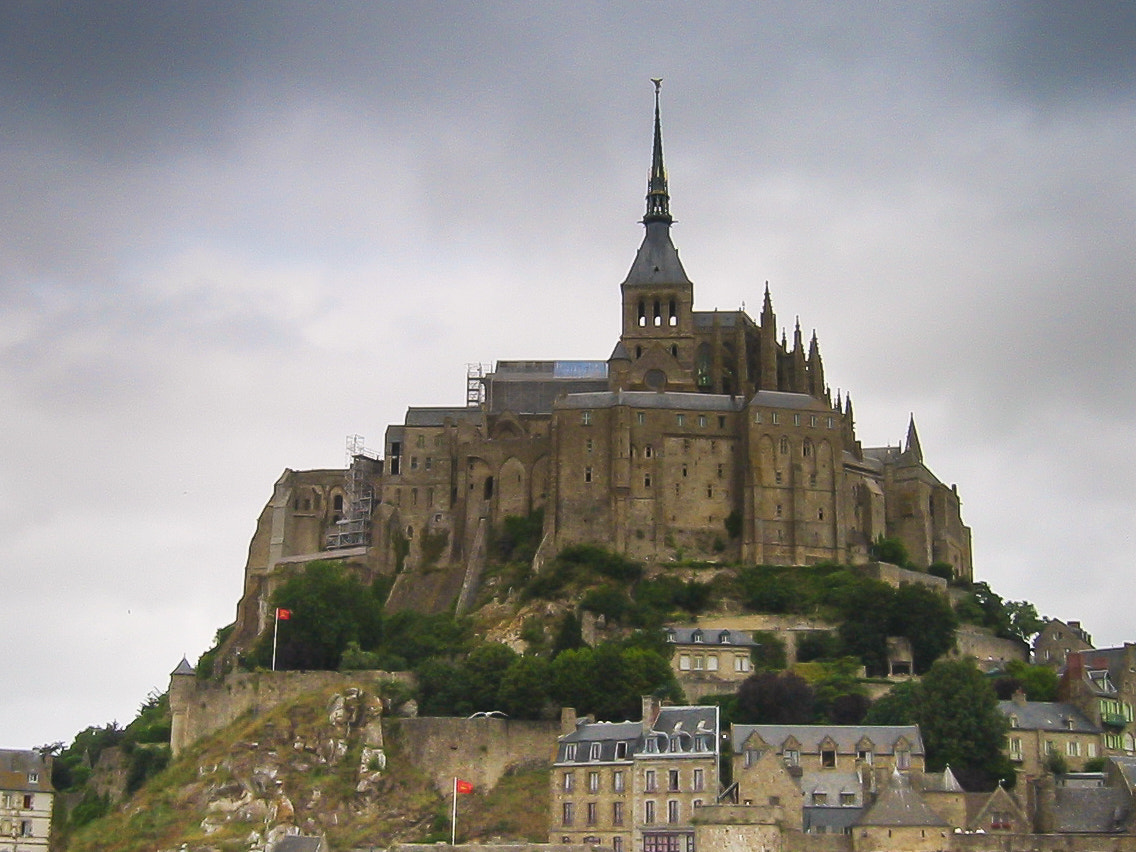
x=200, y=707
x=480, y=750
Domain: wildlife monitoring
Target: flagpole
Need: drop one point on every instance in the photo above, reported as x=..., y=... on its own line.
x=454, y=818
x=275, y=633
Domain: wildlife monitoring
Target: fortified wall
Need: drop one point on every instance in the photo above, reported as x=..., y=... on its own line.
x=199, y=708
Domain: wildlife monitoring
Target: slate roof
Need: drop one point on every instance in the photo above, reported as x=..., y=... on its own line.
x=1048, y=716
x=654, y=399
x=683, y=724
x=832, y=784
x=900, y=806
x=1092, y=810
x=784, y=399
x=726, y=319
x=846, y=737
x=710, y=636
x=1127, y=768
x=427, y=416
x=184, y=668
x=657, y=261
x=16, y=765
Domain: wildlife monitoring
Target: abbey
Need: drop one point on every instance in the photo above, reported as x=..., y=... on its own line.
x=704, y=435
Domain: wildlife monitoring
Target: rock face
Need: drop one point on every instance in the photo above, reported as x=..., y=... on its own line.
x=288, y=780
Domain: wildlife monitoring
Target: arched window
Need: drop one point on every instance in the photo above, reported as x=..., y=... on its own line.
x=488, y=487
x=337, y=502
x=784, y=446
x=673, y=318
x=807, y=448
x=642, y=313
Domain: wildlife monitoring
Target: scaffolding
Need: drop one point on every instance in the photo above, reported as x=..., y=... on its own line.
x=353, y=529
x=475, y=384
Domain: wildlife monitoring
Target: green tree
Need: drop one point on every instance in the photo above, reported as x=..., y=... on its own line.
x=890, y=550
x=958, y=715
x=769, y=654
x=925, y=617
x=609, y=681
x=897, y=706
x=1038, y=682
x=768, y=698
x=524, y=688
x=329, y=608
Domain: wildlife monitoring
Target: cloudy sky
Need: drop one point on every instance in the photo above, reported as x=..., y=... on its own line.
x=232, y=234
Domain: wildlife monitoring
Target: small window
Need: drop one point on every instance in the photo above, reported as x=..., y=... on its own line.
x=756, y=417
x=796, y=420
x=586, y=418
x=813, y=420
x=617, y=814
x=847, y=799
x=649, y=782
x=591, y=813
x=569, y=782
x=830, y=422
x=648, y=451
x=617, y=776
x=784, y=446
x=680, y=419
x=336, y=504
x=792, y=757
x=672, y=780
x=414, y=462
x=684, y=662
x=620, y=754
x=702, y=420
x=820, y=798
x=699, y=780
x=721, y=421
x=587, y=474
x=828, y=758
x=648, y=812
x=640, y=417
x=570, y=751
x=594, y=752
x=775, y=417
x=647, y=480
x=593, y=782
x=777, y=477
x=672, y=812
x=568, y=814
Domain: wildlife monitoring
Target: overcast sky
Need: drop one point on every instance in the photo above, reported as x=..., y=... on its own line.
x=231, y=234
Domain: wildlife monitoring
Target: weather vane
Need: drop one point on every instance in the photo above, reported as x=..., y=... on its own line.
x=658, y=81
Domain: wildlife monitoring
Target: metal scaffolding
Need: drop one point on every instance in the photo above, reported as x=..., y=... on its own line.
x=475, y=384
x=353, y=529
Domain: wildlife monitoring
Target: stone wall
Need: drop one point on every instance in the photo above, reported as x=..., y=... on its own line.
x=201, y=707
x=1044, y=842
x=476, y=750
x=990, y=651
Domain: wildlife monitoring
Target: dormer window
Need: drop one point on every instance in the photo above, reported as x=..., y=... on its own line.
x=594, y=752
x=724, y=637
x=570, y=751
x=696, y=637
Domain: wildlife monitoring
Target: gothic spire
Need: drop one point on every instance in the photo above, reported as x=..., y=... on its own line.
x=913, y=449
x=658, y=199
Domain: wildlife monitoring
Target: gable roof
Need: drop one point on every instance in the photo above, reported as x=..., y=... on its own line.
x=846, y=737
x=1092, y=810
x=684, y=724
x=1047, y=716
x=899, y=805
x=709, y=636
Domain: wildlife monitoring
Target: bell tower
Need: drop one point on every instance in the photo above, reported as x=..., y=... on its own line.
x=658, y=298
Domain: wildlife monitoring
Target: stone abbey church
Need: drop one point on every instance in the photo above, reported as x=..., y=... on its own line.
x=702, y=436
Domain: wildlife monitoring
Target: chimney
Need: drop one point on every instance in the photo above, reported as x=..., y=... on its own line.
x=567, y=720
x=1075, y=625
x=1019, y=697
x=651, y=708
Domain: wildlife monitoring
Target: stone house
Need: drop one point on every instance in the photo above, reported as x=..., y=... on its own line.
x=26, y=799
x=1101, y=682
x=634, y=786
x=1057, y=640
x=1039, y=729
x=709, y=660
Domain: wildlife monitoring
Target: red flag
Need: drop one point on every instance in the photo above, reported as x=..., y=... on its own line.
x=463, y=786
x=283, y=614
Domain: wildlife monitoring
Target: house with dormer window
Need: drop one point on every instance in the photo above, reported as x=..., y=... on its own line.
x=710, y=660
x=634, y=786
x=26, y=800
